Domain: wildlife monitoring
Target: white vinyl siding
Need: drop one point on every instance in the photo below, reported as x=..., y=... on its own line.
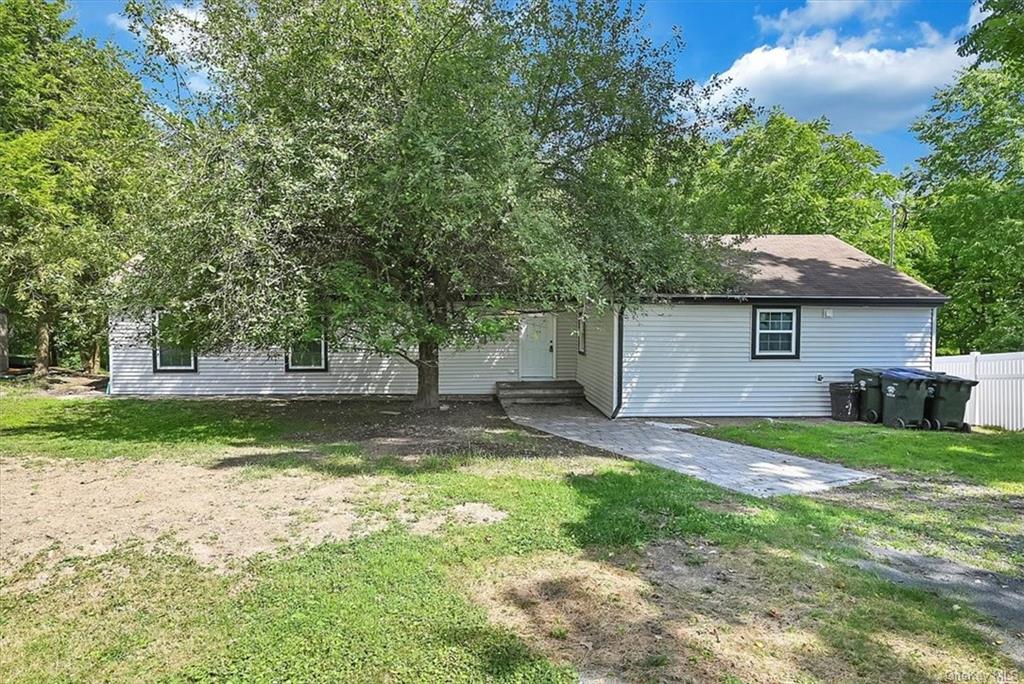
x=694, y=359
x=474, y=371
x=565, y=346
x=463, y=372
x=596, y=370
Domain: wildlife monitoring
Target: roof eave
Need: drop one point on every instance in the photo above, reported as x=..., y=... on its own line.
x=928, y=301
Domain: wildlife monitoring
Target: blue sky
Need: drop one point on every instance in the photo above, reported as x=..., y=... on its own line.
x=869, y=65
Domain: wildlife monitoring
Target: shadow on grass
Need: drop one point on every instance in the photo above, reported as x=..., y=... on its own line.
x=647, y=503
x=660, y=617
x=138, y=428
x=343, y=460
x=377, y=609
x=866, y=625
x=70, y=427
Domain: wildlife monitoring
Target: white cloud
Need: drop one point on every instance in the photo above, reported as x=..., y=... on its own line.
x=822, y=13
x=929, y=35
x=976, y=16
x=118, y=21
x=198, y=82
x=178, y=26
x=858, y=85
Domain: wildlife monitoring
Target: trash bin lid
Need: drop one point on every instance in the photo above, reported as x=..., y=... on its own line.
x=956, y=379
x=907, y=374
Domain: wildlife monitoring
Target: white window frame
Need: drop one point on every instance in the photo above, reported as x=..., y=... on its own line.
x=158, y=365
x=290, y=367
x=794, y=333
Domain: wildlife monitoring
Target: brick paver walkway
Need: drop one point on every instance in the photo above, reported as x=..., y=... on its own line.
x=745, y=469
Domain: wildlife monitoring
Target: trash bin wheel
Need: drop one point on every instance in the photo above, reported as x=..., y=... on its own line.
x=965, y=427
x=936, y=424
x=872, y=416
x=925, y=424
x=900, y=424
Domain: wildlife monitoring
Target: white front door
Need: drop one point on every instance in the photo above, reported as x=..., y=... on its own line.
x=537, y=347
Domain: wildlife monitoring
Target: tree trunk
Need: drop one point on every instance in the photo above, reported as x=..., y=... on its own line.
x=5, y=359
x=42, y=365
x=91, y=357
x=428, y=394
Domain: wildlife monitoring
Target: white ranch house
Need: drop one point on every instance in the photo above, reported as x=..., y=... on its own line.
x=812, y=309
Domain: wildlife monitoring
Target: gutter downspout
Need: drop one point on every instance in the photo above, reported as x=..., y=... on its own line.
x=618, y=366
x=935, y=338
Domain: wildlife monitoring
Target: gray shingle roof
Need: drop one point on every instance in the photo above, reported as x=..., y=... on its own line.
x=820, y=267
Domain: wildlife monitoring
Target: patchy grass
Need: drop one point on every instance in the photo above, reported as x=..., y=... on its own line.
x=989, y=457
x=951, y=495
x=99, y=428
x=541, y=561
x=133, y=428
x=722, y=615
x=970, y=524
x=124, y=616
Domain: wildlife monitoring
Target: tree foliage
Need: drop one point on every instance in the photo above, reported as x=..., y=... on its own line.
x=971, y=189
x=71, y=130
x=777, y=175
x=999, y=38
x=406, y=173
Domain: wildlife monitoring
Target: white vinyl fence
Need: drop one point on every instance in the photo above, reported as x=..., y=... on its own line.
x=999, y=397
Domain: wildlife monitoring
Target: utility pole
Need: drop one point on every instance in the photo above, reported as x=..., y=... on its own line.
x=896, y=207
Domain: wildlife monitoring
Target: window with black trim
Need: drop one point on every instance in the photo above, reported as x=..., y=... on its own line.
x=776, y=333
x=169, y=354
x=307, y=355
x=581, y=335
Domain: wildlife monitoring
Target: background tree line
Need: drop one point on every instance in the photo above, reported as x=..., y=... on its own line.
x=73, y=137
x=404, y=173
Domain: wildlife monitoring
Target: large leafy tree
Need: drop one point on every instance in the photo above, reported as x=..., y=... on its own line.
x=72, y=126
x=776, y=174
x=407, y=174
x=971, y=189
x=999, y=37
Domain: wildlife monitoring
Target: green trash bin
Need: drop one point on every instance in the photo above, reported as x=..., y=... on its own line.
x=948, y=402
x=904, y=393
x=869, y=382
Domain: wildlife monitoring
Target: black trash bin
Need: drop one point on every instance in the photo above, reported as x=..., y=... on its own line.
x=948, y=402
x=845, y=398
x=869, y=384
x=904, y=393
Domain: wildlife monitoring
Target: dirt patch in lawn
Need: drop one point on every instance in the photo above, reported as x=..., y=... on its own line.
x=729, y=508
x=893, y=491
x=391, y=428
x=53, y=510
x=939, y=516
x=689, y=612
x=59, y=382
x=473, y=513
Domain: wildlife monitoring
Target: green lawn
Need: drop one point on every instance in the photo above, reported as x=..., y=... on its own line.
x=99, y=428
x=601, y=564
x=990, y=457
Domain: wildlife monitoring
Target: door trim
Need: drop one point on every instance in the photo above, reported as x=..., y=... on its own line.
x=553, y=328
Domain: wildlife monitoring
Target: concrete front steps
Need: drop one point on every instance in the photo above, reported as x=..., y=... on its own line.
x=540, y=392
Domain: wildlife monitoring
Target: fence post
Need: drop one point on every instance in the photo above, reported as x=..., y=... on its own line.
x=975, y=400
